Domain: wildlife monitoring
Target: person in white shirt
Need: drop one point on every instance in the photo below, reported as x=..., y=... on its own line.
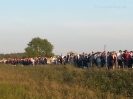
x=98, y=60
x=119, y=59
x=131, y=53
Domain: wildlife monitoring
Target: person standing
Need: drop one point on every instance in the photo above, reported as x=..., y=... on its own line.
x=114, y=59
x=85, y=61
x=128, y=59
x=124, y=59
x=92, y=59
x=131, y=53
x=109, y=61
x=102, y=58
x=98, y=60
x=119, y=59
x=88, y=61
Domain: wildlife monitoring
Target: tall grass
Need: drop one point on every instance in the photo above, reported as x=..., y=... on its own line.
x=64, y=82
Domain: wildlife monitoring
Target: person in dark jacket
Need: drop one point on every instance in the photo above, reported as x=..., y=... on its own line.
x=109, y=61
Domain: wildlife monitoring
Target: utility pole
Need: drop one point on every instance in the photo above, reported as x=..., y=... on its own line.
x=105, y=48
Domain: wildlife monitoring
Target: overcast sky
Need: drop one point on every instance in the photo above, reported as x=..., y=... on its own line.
x=70, y=25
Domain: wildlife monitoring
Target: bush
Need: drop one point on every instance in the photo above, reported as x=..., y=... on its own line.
x=64, y=82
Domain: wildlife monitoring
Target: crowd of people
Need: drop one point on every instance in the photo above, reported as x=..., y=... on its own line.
x=110, y=60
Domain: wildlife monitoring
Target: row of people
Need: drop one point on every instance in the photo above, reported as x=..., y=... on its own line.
x=27, y=61
x=121, y=59
x=109, y=59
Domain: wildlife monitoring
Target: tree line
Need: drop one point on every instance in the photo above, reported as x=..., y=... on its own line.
x=37, y=47
x=12, y=55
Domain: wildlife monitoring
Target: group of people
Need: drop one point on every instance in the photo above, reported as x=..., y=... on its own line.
x=110, y=60
x=26, y=61
x=122, y=59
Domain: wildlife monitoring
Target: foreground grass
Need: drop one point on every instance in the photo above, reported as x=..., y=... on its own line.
x=64, y=82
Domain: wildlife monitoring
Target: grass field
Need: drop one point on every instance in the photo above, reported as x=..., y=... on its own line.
x=64, y=82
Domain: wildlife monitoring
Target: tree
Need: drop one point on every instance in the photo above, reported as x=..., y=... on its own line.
x=38, y=47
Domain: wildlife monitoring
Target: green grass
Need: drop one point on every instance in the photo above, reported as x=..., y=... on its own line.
x=64, y=82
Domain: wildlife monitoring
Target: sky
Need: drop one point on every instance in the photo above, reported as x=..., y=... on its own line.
x=70, y=25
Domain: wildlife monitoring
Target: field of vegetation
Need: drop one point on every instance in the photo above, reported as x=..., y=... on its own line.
x=64, y=82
